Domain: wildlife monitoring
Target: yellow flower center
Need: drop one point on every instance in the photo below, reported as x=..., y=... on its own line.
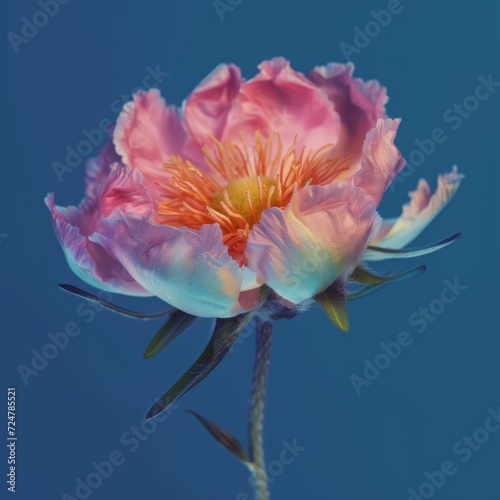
x=243, y=182
x=246, y=198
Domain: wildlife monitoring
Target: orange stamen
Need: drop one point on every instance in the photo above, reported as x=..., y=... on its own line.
x=243, y=182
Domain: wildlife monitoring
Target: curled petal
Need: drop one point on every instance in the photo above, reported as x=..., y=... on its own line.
x=418, y=212
x=89, y=261
x=147, y=134
x=122, y=190
x=207, y=107
x=360, y=104
x=381, y=160
x=281, y=100
x=191, y=270
x=302, y=250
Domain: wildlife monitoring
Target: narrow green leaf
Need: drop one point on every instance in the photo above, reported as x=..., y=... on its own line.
x=333, y=302
x=177, y=323
x=226, y=331
x=365, y=292
x=112, y=307
x=224, y=438
x=377, y=253
x=362, y=275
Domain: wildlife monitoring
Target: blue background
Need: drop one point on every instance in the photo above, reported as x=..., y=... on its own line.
x=372, y=446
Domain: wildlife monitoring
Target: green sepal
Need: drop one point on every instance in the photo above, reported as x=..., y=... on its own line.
x=333, y=302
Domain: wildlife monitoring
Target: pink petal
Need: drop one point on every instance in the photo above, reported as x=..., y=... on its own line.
x=283, y=101
x=247, y=300
x=418, y=212
x=97, y=169
x=381, y=160
x=320, y=236
x=191, y=270
x=89, y=261
x=123, y=191
x=250, y=280
x=147, y=134
x=360, y=104
x=207, y=107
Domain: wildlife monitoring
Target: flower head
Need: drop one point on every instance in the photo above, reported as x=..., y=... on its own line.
x=273, y=181
x=250, y=201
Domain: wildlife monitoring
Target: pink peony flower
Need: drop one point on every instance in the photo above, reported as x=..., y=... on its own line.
x=274, y=181
x=251, y=200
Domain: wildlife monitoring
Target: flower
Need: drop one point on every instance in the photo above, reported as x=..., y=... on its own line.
x=252, y=199
x=273, y=181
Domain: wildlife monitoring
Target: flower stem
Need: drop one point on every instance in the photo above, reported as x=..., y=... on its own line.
x=264, y=331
